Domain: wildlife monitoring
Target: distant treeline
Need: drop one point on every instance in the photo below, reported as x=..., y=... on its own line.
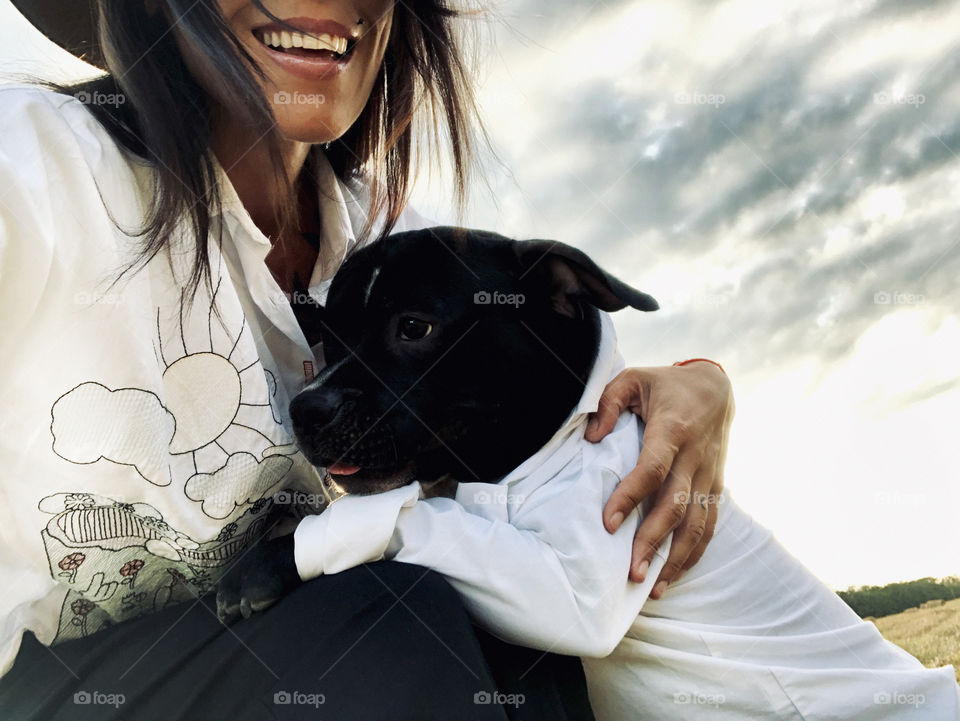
x=896, y=597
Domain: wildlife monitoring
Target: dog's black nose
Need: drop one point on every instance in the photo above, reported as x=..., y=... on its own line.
x=318, y=407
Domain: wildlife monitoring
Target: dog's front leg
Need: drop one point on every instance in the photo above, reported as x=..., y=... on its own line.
x=260, y=576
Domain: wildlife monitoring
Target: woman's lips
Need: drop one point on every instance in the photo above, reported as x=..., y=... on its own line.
x=308, y=68
x=308, y=64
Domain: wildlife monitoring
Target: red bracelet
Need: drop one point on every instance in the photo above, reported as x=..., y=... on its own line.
x=694, y=360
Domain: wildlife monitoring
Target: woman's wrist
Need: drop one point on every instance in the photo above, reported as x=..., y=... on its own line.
x=700, y=360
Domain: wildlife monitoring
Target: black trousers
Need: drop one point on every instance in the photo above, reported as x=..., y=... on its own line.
x=384, y=641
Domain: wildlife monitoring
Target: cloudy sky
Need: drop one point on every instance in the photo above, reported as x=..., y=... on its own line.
x=784, y=178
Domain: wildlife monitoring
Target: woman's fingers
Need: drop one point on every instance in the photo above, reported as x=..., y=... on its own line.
x=712, y=514
x=693, y=533
x=687, y=413
x=667, y=513
x=619, y=394
x=713, y=504
x=653, y=465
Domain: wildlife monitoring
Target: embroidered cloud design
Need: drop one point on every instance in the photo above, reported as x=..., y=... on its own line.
x=128, y=426
x=220, y=494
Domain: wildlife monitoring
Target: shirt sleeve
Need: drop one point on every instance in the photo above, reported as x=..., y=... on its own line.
x=27, y=221
x=57, y=164
x=551, y=577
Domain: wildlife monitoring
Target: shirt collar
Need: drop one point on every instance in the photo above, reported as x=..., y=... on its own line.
x=229, y=200
x=343, y=210
x=563, y=444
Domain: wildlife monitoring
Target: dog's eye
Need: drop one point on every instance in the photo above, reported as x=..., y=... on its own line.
x=413, y=328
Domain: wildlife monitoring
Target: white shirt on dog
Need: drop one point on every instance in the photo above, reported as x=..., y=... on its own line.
x=747, y=633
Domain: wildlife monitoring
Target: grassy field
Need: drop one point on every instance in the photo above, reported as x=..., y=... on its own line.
x=930, y=634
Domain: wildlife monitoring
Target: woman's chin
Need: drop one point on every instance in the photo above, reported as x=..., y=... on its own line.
x=308, y=123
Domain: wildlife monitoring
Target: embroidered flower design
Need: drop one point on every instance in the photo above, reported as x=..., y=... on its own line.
x=130, y=568
x=227, y=532
x=69, y=565
x=78, y=500
x=81, y=607
x=129, y=571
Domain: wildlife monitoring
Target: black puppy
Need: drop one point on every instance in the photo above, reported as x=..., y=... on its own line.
x=451, y=355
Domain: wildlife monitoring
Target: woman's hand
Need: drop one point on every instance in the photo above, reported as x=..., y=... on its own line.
x=688, y=411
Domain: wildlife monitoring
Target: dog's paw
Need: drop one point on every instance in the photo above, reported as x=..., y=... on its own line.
x=260, y=577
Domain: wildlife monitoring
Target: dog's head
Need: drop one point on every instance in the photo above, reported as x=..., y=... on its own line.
x=450, y=352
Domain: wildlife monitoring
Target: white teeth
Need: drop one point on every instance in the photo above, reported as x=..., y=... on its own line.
x=286, y=39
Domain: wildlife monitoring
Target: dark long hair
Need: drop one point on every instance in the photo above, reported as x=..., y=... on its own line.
x=166, y=116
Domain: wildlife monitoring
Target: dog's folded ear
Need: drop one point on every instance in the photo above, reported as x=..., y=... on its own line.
x=573, y=277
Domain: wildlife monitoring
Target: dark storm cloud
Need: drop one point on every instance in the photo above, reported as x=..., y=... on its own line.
x=898, y=8
x=805, y=161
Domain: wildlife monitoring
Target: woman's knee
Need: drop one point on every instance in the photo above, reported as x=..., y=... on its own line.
x=376, y=586
x=393, y=635
x=416, y=586
x=404, y=614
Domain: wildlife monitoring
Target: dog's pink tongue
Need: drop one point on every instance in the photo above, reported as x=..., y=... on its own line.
x=342, y=469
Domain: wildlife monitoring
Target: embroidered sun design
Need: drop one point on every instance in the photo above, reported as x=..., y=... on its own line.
x=211, y=423
x=215, y=392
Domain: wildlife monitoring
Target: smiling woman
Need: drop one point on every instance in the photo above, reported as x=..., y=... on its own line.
x=158, y=227
x=163, y=218
x=263, y=110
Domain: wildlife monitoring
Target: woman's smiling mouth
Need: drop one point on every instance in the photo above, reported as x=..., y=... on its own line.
x=305, y=43
x=323, y=48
